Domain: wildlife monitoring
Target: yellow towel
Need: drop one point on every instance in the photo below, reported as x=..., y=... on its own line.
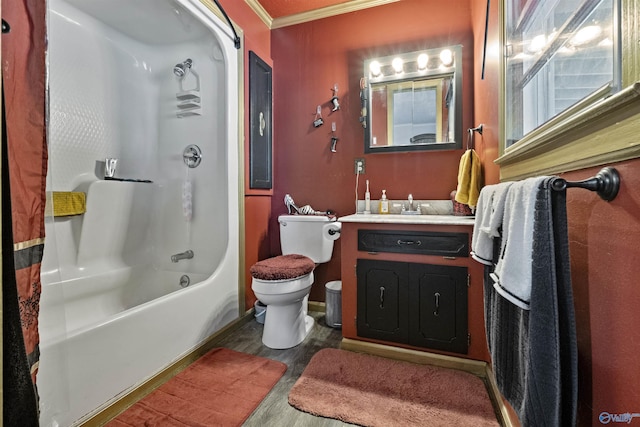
x=469, y=179
x=66, y=203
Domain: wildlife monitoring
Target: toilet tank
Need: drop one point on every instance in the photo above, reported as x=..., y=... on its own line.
x=308, y=235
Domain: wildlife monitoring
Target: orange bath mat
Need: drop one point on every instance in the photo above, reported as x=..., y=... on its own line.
x=374, y=391
x=222, y=388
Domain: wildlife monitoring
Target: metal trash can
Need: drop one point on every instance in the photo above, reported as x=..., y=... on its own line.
x=333, y=301
x=260, y=311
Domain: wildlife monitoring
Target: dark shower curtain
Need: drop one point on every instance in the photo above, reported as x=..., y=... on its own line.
x=24, y=169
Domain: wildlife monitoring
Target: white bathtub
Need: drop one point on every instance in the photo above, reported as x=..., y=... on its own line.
x=113, y=312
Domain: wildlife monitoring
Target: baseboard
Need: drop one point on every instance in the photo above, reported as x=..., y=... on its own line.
x=475, y=367
x=127, y=399
x=496, y=397
x=317, y=306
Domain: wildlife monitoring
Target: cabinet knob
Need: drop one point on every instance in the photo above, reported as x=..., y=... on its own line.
x=381, y=296
x=437, y=303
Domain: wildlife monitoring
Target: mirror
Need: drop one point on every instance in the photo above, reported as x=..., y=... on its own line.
x=413, y=101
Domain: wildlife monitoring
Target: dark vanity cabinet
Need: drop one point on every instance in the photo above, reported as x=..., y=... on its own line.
x=422, y=305
x=411, y=284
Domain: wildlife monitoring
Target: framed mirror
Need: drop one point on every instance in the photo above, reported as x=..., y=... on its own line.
x=413, y=101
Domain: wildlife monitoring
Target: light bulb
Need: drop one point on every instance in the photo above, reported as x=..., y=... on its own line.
x=397, y=64
x=374, y=67
x=537, y=43
x=423, y=59
x=446, y=56
x=586, y=35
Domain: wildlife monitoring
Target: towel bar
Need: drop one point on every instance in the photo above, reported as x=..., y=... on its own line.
x=606, y=183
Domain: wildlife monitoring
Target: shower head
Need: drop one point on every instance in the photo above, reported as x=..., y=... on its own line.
x=182, y=68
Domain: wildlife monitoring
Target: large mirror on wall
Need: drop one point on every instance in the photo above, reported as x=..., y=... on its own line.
x=413, y=101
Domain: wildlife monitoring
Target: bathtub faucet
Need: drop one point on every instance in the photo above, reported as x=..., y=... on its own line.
x=182, y=255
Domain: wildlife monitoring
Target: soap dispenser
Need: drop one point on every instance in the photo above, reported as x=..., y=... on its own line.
x=384, y=203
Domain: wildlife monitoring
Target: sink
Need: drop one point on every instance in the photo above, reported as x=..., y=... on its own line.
x=410, y=213
x=409, y=219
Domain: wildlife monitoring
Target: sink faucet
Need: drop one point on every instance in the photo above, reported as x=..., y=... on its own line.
x=182, y=255
x=409, y=209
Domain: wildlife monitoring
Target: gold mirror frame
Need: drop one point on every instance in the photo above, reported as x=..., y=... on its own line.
x=591, y=133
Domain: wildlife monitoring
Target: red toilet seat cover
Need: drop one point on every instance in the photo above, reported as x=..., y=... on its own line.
x=283, y=267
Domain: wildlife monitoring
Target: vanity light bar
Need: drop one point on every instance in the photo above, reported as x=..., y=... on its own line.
x=413, y=64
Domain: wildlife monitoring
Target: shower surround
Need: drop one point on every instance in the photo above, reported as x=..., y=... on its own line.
x=116, y=309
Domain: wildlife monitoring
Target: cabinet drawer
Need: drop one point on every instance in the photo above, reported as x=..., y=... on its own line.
x=414, y=242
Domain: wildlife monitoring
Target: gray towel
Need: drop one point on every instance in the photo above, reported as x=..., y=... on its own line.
x=488, y=221
x=512, y=277
x=534, y=352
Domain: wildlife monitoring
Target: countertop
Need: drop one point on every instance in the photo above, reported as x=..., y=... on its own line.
x=409, y=219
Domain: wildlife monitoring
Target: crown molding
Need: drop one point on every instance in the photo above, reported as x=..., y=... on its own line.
x=312, y=15
x=261, y=12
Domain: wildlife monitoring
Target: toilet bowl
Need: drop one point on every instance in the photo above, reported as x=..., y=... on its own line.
x=283, y=283
x=286, y=322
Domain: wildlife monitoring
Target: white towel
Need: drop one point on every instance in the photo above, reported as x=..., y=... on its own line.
x=512, y=276
x=489, y=215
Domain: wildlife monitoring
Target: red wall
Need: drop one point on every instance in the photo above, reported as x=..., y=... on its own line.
x=604, y=248
x=308, y=60
x=257, y=203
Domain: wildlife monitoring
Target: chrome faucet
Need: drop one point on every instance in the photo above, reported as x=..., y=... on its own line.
x=182, y=255
x=408, y=210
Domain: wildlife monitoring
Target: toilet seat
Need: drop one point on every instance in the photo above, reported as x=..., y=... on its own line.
x=283, y=267
x=281, y=287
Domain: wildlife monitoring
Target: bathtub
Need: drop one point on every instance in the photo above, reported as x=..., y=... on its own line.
x=115, y=308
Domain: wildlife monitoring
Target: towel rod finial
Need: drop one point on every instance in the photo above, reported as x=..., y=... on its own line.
x=606, y=183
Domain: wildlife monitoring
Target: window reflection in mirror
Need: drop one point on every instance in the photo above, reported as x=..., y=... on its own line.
x=413, y=103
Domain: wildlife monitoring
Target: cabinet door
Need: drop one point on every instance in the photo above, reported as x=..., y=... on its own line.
x=382, y=300
x=260, y=101
x=438, y=307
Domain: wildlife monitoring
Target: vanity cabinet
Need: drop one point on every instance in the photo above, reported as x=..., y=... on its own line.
x=412, y=285
x=422, y=305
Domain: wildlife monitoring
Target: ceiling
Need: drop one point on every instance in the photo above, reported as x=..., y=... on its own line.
x=282, y=13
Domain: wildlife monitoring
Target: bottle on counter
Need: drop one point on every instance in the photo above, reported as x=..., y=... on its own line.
x=384, y=203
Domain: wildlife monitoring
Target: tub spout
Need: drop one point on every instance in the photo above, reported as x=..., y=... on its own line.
x=182, y=255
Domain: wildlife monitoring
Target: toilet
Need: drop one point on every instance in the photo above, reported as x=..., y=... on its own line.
x=283, y=283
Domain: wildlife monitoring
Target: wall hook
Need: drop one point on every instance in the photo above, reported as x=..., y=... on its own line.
x=477, y=129
x=334, y=99
x=317, y=122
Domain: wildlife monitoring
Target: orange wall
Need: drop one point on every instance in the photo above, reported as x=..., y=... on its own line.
x=257, y=203
x=604, y=247
x=308, y=60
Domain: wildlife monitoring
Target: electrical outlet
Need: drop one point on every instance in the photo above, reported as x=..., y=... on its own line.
x=358, y=166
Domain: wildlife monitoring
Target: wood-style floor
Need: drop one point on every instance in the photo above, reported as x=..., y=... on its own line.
x=275, y=409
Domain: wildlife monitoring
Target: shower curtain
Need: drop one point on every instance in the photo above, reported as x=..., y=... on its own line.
x=24, y=163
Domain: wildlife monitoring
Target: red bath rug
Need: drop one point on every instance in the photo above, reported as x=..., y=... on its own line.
x=374, y=391
x=222, y=388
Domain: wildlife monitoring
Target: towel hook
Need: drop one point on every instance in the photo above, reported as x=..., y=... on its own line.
x=606, y=183
x=470, y=131
x=477, y=129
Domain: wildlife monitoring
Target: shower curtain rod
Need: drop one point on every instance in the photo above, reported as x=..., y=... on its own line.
x=606, y=183
x=236, y=39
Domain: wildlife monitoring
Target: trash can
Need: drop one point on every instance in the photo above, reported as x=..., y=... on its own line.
x=261, y=311
x=333, y=301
